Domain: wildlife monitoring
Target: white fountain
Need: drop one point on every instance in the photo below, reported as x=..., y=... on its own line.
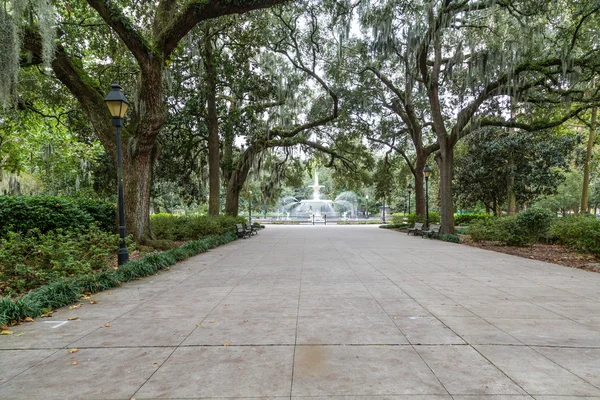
x=318, y=207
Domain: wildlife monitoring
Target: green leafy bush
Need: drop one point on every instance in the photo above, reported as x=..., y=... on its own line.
x=46, y=213
x=511, y=230
x=67, y=291
x=30, y=260
x=394, y=226
x=579, y=233
x=536, y=222
x=446, y=237
x=398, y=218
x=434, y=218
x=192, y=227
x=467, y=219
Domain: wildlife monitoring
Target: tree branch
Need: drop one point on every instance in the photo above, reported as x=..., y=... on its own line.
x=197, y=11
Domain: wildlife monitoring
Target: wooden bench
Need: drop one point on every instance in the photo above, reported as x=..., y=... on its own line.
x=241, y=231
x=252, y=229
x=417, y=230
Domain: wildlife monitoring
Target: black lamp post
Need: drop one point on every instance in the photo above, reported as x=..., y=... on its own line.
x=427, y=172
x=383, y=219
x=367, y=207
x=250, y=207
x=410, y=189
x=117, y=104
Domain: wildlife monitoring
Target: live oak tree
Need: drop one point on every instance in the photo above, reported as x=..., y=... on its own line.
x=145, y=38
x=462, y=55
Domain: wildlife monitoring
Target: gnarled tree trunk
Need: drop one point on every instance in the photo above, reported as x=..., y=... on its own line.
x=445, y=162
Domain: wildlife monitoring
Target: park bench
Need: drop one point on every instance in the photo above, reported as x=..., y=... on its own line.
x=417, y=230
x=434, y=228
x=241, y=231
x=252, y=229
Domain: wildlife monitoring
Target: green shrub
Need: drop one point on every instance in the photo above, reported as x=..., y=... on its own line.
x=46, y=213
x=30, y=260
x=467, y=219
x=446, y=237
x=505, y=230
x=577, y=232
x=67, y=291
x=394, y=226
x=434, y=218
x=398, y=218
x=536, y=222
x=192, y=227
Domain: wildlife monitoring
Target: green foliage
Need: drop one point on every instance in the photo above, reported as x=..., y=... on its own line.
x=523, y=229
x=46, y=213
x=434, y=218
x=577, y=232
x=467, y=219
x=192, y=227
x=394, y=226
x=398, y=218
x=30, y=260
x=446, y=237
x=67, y=291
x=536, y=222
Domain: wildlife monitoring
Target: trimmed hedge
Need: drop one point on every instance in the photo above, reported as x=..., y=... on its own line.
x=68, y=291
x=192, y=227
x=434, y=218
x=467, y=219
x=46, y=213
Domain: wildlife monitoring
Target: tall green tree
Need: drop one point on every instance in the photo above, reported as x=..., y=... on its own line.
x=144, y=39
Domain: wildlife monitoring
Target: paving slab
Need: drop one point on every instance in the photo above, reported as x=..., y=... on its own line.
x=322, y=312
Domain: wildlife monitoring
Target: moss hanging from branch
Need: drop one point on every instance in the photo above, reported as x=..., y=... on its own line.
x=14, y=16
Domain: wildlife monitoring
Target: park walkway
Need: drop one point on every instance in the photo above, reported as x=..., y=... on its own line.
x=323, y=312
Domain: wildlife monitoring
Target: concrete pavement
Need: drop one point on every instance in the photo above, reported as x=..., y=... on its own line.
x=323, y=312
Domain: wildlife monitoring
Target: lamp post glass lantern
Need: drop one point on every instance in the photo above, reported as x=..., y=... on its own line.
x=427, y=172
x=117, y=104
x=410, y=189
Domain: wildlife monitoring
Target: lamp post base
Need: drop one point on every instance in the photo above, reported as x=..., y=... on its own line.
x=122, y=256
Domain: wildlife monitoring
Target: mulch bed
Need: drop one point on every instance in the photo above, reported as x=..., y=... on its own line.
x=551, y=253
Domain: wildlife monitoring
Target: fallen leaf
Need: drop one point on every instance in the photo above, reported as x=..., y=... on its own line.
x=72, y=318
x=154, y=363
x=75, y=363
x=75, y=306
x=20, y=334
x=6, y=333
x=198, y=324
x=4, y=328
x=226, y=344
x=73, y=351
x=93, y=302
x=28, y=319
x=86, y=297
x=107, y=325
x=212, y=321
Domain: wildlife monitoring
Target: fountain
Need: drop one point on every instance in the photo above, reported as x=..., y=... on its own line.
x=318, y=207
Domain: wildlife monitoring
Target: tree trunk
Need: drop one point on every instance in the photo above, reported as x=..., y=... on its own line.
x=445, y=162
x=586, y=166
x=512, y=196
x=137, y=181
x=214, y=168
x=236, y=182
x=420, y=185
